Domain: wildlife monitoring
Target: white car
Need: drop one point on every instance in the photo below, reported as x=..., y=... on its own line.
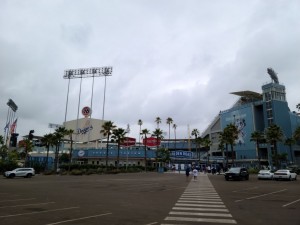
x=20, y=172
x=284, y=175
x=265, y=174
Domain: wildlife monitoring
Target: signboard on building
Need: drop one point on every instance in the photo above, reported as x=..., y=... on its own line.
x=182, y=154
x=151, y=141
x=128, y=141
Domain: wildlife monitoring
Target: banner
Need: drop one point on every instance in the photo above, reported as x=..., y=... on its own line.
x=151, y=141
x=128, y=141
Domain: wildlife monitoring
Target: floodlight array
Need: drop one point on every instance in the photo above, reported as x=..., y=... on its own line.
x=87, y=72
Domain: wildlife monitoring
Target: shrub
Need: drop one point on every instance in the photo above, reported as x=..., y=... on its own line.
x=76, y=172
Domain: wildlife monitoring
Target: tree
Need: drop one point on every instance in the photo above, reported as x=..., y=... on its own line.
x=169, y=122
x=70, y=133
x=223, y=144
x=296, y=134
x=290, y=142
x=158, y=134
x=3, y=149
x=206, y=144
x=145, y=132
x=108, y=127
x=57, y=140
x=27, y=145
x=175, y=127
x=163, y=155
x=257, y=137
x=118, y=135
x=158, y=121
x=195, y=132
x=231, y=135
x=140, y=123
x=298, y=106
x=47, y=140
x=273, y=135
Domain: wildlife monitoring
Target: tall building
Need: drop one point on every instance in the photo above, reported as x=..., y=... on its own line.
x=256, y=112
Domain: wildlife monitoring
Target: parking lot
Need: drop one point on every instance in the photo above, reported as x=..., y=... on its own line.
x=142, y=198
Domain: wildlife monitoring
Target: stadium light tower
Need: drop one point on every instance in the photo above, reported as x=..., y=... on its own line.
x=86, y=73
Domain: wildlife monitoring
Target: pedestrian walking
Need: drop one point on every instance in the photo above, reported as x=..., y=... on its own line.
x=195, y=174
x=187, y=172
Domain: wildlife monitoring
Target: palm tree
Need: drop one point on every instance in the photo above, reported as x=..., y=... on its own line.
x=57, y=139
x=158, y=121
x=231, y=135
x=296, y=134
x=118, y=135
x=273, y=135
x=174, y=127
x=70, y=133
x=258, y=138
x=28, y=146
x=47, y=140
x=140, y=123
x=158, y=133
x=1, y=140
x=108, y=127
x=290, y=142
x=223, y=143
x=195, y=132
x=206, y=144
x=169, y=122
x=145, y=132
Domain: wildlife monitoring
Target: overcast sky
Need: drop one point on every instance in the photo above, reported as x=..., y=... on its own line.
x=170, y=58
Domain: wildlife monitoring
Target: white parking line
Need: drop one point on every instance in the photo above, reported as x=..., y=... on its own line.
x=13, y=206
x=82, y=218
x=291, y=203
x=52, y=210
x=202, y=220
x=21, y=199
x=257, y=196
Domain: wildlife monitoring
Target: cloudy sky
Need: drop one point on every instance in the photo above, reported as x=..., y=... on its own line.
x=170, y=58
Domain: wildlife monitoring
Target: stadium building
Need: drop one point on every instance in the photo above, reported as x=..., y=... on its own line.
x=256, y=112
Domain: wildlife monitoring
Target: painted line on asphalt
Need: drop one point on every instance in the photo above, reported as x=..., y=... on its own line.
x=31, y=213
x=152, y=223
x=13, y=206
x=201, y=214
x=82, y=218
x=201, y=202
x=21, y=199
x=209, y=220
x=257, y=196
x=199, y=205
x=202, y=199
x=200, y=209
x=242, y=190
x=291, y=203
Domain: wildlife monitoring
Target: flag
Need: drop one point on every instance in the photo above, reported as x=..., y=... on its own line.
x=13, y=126
x=6, y=127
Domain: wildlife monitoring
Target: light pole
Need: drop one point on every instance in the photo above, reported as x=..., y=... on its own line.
x=12, y=108
x=86, y=73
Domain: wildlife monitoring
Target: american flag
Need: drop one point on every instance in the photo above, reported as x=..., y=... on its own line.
x=13, y=126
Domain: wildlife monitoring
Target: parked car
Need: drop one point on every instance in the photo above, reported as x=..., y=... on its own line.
x=20, y=172
x=284, y=175
x=265, y=174
x=237, y=173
